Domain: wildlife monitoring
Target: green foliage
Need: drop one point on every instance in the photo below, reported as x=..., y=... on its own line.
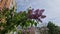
x=6, y=21
x=10, y=19
x=20, y=32
x=53, y=29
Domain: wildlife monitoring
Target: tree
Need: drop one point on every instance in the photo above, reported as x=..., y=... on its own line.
x=6, y=23
x=37, y=14
x=10, y=19
x=53, y=29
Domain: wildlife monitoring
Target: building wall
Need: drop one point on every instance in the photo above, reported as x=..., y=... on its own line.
x=7, y=4
x=2, y=3
x=37, y=31
x=12, y=4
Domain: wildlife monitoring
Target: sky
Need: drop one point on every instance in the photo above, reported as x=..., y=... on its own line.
x=52, y=8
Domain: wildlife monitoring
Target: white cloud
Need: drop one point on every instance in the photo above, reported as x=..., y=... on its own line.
x=52, y=8
x=54, y=11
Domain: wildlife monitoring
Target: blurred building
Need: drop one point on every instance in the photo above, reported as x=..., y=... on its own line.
x=7, y=3
x=35, y=30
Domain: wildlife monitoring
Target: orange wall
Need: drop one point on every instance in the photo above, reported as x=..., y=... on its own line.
x=2, y=3
x=5, y=3
x=8, y=3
